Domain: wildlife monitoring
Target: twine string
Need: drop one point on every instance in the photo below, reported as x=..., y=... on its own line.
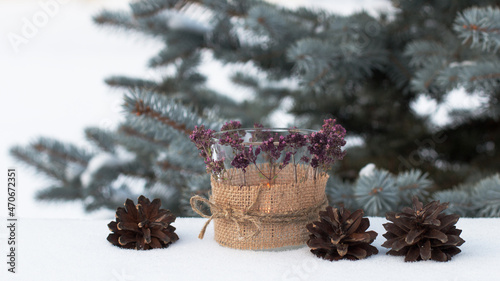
x=239, y=217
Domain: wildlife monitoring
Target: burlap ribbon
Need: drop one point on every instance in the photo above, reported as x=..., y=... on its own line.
x=239, y=217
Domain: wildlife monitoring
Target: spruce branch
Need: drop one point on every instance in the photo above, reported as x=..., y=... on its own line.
x=482, y=75
x=140, y=109
x=130, y=131
x=130, y=83
x=486, y=196
x=115, y=19
x=63, y=152
x=412, y=183
x=30, y=157
x=377, y=192
x=165, y=166
x=480, y=26
x=148, y=8
x=271, y=23
x=425, y=78
x=103, y=139
x=423, y=50
x=60, y=193
x=341, y=193
x=459, y=201
x=148, y=106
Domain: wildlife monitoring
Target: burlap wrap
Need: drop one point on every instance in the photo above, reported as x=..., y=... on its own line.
x=249, y=213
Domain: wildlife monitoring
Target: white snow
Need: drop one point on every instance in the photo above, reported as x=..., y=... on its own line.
x=104, y=159
x=463, y=63
x=456, y=99
x=367, y=170
x=96, y=163
x=184, y=22
x=76, y=250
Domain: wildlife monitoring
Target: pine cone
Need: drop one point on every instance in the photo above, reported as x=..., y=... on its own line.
x=143, y=226
x=423, y=233
x=341, y=234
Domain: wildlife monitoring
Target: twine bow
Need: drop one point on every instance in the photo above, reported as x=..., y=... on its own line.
x=237, y=216
x=240, y=217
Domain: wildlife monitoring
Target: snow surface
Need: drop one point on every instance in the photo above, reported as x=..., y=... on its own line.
x=74, y=250
x=104, y=159
x=182, y=21
x=367, y=170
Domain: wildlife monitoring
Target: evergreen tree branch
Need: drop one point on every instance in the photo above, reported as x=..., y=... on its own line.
x=165, y=166
x=165, y=111
x=148, y=8
x=31, y=158
x=57, y=193
x=115, y=19
x=480, y=26
x=64, y=152
x=131, y=83
x=140, y=109
x=103, y=139
x=129, y=131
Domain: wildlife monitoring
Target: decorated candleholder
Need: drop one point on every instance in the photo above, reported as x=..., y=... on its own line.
x=267, y=184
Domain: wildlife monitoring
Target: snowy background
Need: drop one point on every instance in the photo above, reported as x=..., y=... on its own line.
x=53, y=85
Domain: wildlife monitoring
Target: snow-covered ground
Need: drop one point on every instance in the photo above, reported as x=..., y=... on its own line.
x=62, y=250
x=53, y=60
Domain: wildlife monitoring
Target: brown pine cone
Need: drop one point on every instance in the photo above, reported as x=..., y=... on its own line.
x=341, y=235
x=423, y=233
x=143, y=226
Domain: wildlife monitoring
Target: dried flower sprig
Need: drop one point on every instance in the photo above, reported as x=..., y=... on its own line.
x=232, y=137
x=325, y=147
x=204, y=140
x=296, y=141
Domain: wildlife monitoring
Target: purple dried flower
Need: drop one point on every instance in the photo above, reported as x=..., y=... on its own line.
x=317, y=143
x=251, y=155
x=286, y=160
x=325, y=145
x=240, y=161
x=258, y=125
x=315, y=162
x=203, y=139
x=231, y=125
x=274, y=151
x=305, y=159
x=257, y=151
x=259, y=134
x=245, y=158
x=232, y=138
x=295, y=140
x=216, y=166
